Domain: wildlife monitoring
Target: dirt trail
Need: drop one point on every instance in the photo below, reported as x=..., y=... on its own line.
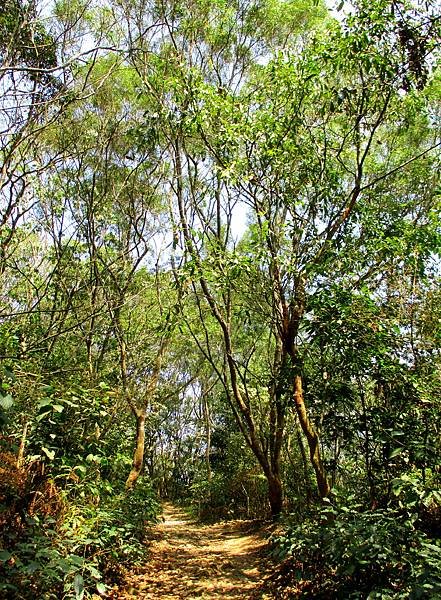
x=190, y=560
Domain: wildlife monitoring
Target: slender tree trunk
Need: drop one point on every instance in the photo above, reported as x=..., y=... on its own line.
x=90, y=357
x=240, y=403
x=138, y=456
x=306, y=477
x=21, y=449
x=311, y=437
x=207, y=423
x=141, y=411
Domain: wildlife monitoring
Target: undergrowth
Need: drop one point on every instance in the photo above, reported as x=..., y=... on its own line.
x=79, y=547
x=344, y=551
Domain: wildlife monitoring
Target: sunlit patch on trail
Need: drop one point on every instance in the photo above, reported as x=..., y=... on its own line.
x=190, y=560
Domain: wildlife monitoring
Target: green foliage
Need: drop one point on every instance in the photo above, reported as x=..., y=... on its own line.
x=240, y=495
x=84, y=550
x=24, y=41
x=350, y=552
x=118, y=213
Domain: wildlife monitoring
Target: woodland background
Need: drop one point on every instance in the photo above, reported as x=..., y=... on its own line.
x=220, y=264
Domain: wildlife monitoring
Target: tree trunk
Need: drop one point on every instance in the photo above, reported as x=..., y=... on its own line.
x=239, y=401
x=21, y=449
x=138, y=456
x=207, y=423
x=308, y=485
x=311, y=437
x=140, y=412
x=275, y=495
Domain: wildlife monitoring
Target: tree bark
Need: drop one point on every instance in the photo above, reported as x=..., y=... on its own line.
x=141, y=411
x=21, y=449
x=138, y=456
x=311, y=437
x=308, y=486
x=275, y=494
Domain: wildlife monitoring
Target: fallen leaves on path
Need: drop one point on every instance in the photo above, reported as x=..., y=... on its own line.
x=190, y=560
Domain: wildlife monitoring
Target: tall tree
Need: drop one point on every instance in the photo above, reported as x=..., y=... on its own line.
x=305, y=145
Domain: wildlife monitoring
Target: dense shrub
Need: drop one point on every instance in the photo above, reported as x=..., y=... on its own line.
x=347, y=552
x=242, y=495
x=78, y=548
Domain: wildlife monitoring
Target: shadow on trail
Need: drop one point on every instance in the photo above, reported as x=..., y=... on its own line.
x=190, y=560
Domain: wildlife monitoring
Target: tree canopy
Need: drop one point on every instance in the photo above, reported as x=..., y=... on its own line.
x=220, y=262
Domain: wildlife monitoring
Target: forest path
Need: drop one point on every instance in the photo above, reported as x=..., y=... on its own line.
x=190, y=560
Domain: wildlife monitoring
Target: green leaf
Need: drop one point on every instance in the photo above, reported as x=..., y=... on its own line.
x=80, y=468
x=5, y=555
x=44, y=402
x=101, y=588
x=9, y=373
x=94, y=572
x=6, y=401
x=93, y=458
x=43, y=415
x=32, y=567
x=79, y=586
x=49, y=453
x=350, y=569
x=431, y=547
x=395, y=452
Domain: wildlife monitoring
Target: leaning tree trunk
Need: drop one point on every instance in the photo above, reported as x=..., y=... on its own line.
x=140, y=413
x=138, y=455
x=311, y=437
x=239, y=402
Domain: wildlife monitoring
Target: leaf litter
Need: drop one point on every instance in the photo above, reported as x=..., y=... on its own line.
x=187, y=559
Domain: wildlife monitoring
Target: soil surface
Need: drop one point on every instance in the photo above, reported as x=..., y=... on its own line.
x=189, y=560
